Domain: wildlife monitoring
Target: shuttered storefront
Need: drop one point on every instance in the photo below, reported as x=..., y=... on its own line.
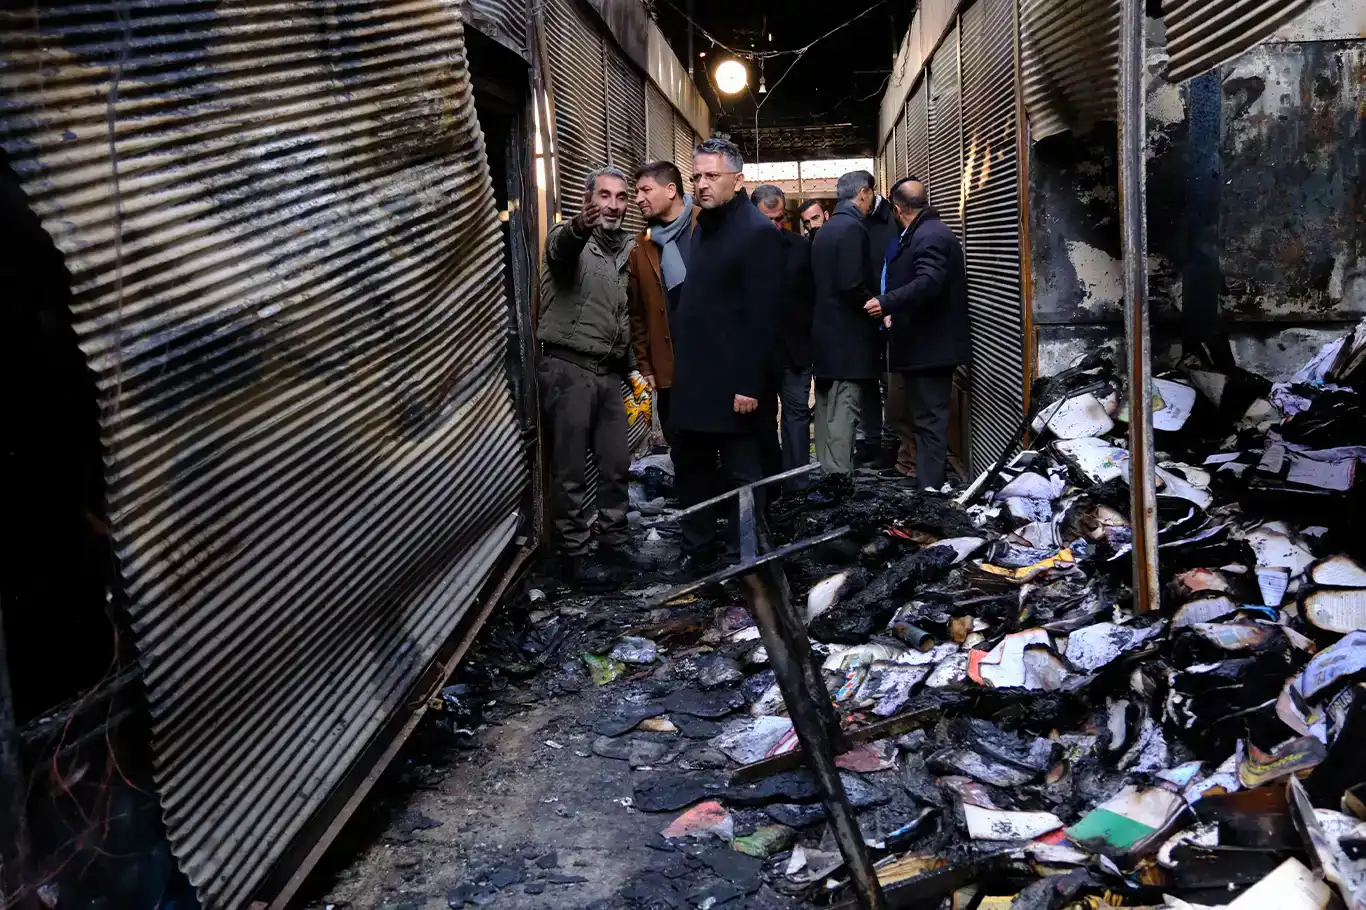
x=992, y=206
x=577, y=87
x=946, y=134
x=685, y=140
x=917, y=133
x=287, y=272
x=659, y=126
x=626, y=117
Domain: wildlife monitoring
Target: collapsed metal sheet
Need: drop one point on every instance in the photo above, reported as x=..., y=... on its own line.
x=287, y=275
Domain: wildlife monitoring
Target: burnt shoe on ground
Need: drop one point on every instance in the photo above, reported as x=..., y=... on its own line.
x=620, y=557
x=587, y=573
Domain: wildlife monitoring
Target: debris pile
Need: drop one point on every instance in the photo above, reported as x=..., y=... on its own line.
x=1014, y=728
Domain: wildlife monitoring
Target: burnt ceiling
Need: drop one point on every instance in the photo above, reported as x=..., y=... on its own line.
x=821, y=104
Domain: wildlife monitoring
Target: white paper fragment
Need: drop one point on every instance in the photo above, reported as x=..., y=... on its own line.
x=963, y=547
x=1028, y=510
x=1000, y=825
x=1004, y=666
x=824, y=594
x=1099, y=461
x=752, y=739
x=1338, y=572
x=1097, y=645
x=1031, y=486
x=1340, y=610
x=1273, y=581
x=1075, y=418
x=1276, y=547
x=1204, y=610
x=1291, y=887
x=1176, y=402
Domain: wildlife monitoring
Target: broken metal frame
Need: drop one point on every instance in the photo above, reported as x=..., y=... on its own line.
x=1138, y=344
x=798, y=673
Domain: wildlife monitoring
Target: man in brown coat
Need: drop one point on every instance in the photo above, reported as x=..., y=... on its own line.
x=658, y=265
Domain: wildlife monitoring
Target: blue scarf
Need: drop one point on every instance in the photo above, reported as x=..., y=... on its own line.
x=666, y=236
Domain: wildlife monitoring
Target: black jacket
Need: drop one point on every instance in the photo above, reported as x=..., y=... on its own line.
x=927, y=297
x=726, y=325
x=882, y=230
x=844, y=339
x=798, y=299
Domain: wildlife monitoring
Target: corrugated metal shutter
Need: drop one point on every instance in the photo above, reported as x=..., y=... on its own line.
x=685, y=140
x=993, y=233
x=1069, y=62
x=1202, y=34
x=659, y=125
x=287, y=273
x=576, y=80
x=946, y=134
x=503, y=20
x=918, y=134
x=626, y=116
x=896, y=148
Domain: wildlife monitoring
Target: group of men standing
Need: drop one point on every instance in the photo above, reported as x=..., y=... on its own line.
x=729, y=317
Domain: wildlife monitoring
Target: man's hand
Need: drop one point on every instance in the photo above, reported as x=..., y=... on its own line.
x=649, y=380
x=887, y=321
x=873, y=308
x=745, y=405
x=587, y=218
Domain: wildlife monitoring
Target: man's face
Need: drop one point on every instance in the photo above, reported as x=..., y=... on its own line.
x=653, y=199
x=611, y=196
x=775, y=212
x=812, y=218
x=716, y=183
x=864, y=201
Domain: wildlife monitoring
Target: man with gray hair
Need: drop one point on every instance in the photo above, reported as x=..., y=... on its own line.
x=585, y=351
x=845, y=348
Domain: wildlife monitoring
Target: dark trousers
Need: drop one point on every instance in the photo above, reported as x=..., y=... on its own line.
x=696, y=457
x=870, y=425
x=795, y=395
x=581, y=409
x=663, y=403
x=927, y=397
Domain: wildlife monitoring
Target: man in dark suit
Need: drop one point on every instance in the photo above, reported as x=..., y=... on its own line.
x=725, y=330
x=794, y=353
x=926, y=300
x=846, y=351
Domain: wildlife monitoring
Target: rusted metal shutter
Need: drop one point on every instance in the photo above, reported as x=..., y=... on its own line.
x=946, y=134
x=918, y=134
x=992, y=205
x=287, y=271
x=502, y=20
x=577, y=84
x=898, y=149
x=1202, y=34
x=626, y=121
x=1069, y=62
x=659, y=126
x=685, y=140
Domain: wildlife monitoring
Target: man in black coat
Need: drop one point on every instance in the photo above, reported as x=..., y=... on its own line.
x=926, y=298
x=845, y=349
x=794, y=353
x=725, y=329
x=876, y=440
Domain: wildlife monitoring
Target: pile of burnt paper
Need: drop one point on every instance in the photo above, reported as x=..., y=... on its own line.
x=1055, y=746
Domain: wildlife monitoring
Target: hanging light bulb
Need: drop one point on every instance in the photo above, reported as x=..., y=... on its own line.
x=731, y=76
x=763, y=89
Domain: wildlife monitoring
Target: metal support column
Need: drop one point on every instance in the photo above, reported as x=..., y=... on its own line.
x=798, y=673
x=1134, y=244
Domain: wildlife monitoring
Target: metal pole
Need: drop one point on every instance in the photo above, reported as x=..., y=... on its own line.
x=692, y=74
x=14, y=842
x=1134, y=243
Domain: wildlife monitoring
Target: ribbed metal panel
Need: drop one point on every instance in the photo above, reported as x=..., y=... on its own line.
x=503, y=20
x=287, y=275
x=992, y=247
x=685, y=140
x=897, y=149
x=659, y=125
x=946, y=134
x=917, y=134
x=626, y=119
x=576, y=79
x=1202, y=34
x=1069, y=62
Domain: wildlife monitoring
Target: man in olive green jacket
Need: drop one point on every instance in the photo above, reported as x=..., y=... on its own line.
x=585, y=340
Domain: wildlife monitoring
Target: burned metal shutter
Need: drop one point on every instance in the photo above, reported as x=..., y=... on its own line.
x=946, y=134
x=1201, y=34
x=685, y=140
x=576, y=79
x=626, y=120
x=918, y=134
x=897, y=149
x=502, y=20
x=659, y=126
x=287, y=279
x=992, y=248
